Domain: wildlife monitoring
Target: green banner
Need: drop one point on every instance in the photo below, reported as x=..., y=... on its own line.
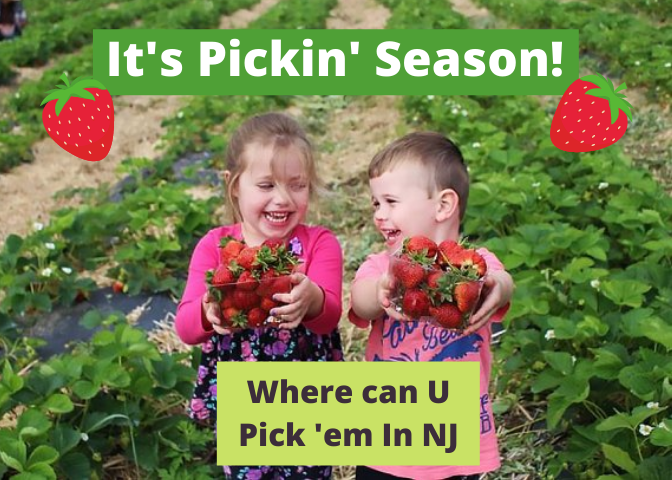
x=336, y=62
x=348, y=413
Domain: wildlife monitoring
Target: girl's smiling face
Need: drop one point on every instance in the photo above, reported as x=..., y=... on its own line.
x=402, y=204
x=272, y=192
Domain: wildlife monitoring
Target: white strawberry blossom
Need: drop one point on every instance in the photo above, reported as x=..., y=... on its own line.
x=595, y=283
x=66, y=270
x=645, y=430
x=180, y=114
x=454, y=111
x=663, y=426
x=573, y=359
x=638, y=63
x=46, y=272
x=476, y=145
x=464, y=113
x=652, y=405
x=668, y=65
x=549, y=335
x=430, y=97
x=536, y=185
x=38, y=226
x=602, y=186
x=50, y=246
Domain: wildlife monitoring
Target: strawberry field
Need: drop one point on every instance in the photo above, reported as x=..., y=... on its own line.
x=583, y=371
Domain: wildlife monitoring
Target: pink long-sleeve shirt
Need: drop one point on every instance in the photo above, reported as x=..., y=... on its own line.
x=318, y=249
x=392, y=340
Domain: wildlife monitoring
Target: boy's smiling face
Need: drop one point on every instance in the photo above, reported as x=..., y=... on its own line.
x=403, y=204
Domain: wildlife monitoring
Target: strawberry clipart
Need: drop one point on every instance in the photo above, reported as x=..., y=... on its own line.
x=591, y=115
x=79, y=117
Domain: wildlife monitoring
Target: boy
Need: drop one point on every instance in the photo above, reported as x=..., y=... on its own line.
x=419, y=186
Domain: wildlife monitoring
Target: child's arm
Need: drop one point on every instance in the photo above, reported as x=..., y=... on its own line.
x=316, y=299
x=191, y=321
x=498, y=288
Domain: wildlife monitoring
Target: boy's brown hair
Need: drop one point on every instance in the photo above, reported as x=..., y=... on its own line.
x=275, y=130
x=440, y=157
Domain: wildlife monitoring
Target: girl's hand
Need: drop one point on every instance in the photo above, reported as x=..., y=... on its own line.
x=306, y=298
x=498, y=290
x=384, y=289
x=213, y=314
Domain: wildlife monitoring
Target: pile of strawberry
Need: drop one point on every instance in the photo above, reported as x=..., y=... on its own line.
x=441, y=281
x=246, y=279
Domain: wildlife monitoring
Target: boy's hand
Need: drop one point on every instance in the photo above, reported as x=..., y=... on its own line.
x=498, y=290
x=306, y=298
x=384, y=288
x=213, y=314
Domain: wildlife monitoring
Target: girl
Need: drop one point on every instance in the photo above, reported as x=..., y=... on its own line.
x=270, y=178
x=12, y=19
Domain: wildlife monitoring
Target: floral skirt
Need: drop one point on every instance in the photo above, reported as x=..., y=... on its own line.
x=277, y=473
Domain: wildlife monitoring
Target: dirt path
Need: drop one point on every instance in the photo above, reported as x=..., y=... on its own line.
x=27, y=191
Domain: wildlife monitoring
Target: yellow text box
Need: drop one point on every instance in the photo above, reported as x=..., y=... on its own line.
x=348, y=413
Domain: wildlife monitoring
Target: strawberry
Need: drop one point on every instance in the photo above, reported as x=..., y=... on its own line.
x=227, y=302
x=422, y=245
x=248, y=257
x=245, y=300
x=118, y=286
x=229, y=249
x=466, y=295
x=591, y=115
x=80, y=118
x=273, y=243
x=415, y=303
x=409, y=273
x=223, y=276
x=448, y=252
x=470, y=261
x=232, y=317
x=267, y=304
x=433, y=279
x=246, y=281
x=256, y=318
x=447, y=315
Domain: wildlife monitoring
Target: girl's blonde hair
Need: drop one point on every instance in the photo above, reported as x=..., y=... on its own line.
x=277, y=131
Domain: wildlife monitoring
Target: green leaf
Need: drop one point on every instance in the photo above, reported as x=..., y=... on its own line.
x=35, y=420
x=13, y=244
x=615, y=422
x=625, y=292
x=75, y=465
x=10, y=380
x=662, y=435
x=41, y=471
x=655, y=468
x=14, y=454
x=58, y=403
x=85, y=389
x=560, y=361
x=64, y=438
x=60, y=104
x=620, y=458
x=99, y=420
x=43, y=454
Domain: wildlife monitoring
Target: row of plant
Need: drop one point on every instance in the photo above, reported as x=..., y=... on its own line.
x=118, y=398
x=635, y=50
x=22, y=109
x=40, y=42
x=658, y=10
x=52, y=12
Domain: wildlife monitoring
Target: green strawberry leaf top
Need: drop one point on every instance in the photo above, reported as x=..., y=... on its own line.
x=606, y=90
x=63, y=93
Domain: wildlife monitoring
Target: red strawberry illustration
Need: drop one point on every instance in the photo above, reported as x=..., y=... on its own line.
x=79, y=117
x=446, y=315
x=466, y=295
x=415, y=303
x=591, y=115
